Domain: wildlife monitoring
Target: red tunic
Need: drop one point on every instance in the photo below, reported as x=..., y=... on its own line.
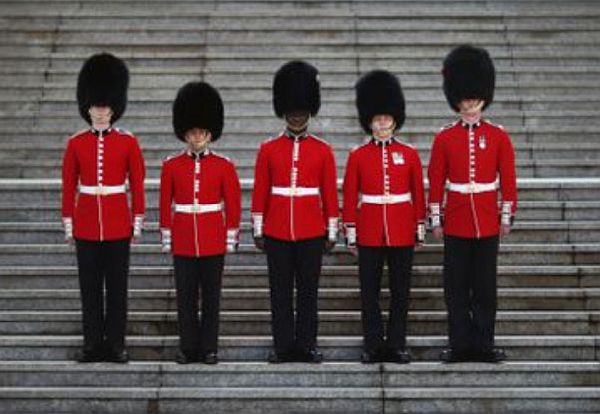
x=377, y=169
x=482, y=154
x=211, y=182
x=295, y=189
x=93, y=160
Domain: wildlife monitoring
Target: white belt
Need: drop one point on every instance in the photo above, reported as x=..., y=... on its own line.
x=197, y=208
x=473, y=188
x=101, y=189
x=295, y=191
x=385, y=199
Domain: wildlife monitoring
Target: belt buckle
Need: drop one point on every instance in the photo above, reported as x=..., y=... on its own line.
x=294, y=191
x=387, y=199
x=102, y=190
x=471, y=187
x=195, y=208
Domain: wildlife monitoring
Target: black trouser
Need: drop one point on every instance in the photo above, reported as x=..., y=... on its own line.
x=191, y=274
x=470, y=267
x=370, y=269
x=298, y=261
x=103, y=264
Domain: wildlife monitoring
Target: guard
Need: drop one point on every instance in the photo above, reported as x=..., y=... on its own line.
x=96, y=217
x=200, y=209
x=295, y=212
x=383, y=213
x=475, y=159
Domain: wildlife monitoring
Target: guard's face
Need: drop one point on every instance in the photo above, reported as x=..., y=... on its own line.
x=383, y=126
x=100, y=116
x=198, y=138
x=297, y=120
x=470, y=106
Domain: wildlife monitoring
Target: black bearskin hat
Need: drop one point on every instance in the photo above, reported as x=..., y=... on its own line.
x=198, y=105
x=468, y=74
x=379, y=92
x=103, y=80
x=296, y=88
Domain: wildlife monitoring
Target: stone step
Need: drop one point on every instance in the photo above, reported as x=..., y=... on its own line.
x=50, y=153
x=330, y=323
x=19, y=168
x=33, y=191
x=332, y=277
x=335, y=348
x=523, y=232
x=336, y=299
x=246, y=142
x=327, y=375
x=150, y=254
x=305, y=400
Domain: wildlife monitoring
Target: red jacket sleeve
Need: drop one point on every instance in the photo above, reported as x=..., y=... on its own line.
x=417, y=189
x=508, y=176
x=350, y=190
x=137, y=173
x=437, y=172
x=329, y=194
x=70, y=178
x=166, y=196
x=232, y=196
x=262, y=182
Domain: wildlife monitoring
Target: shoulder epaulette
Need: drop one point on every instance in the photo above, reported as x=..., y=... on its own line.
x=125, y=132
x=79, y=133
x=218, y=154
x=495, y=125
x=447, y=126
x=173, y=155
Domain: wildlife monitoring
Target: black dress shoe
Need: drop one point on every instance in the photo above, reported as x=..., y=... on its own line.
x=279, y=357
x=449, y=355
x=495, y=355
x=210, y=358
x=119, y=356
x=310, y=355
x=89, y=355
x=185, y=358
x=399, y=356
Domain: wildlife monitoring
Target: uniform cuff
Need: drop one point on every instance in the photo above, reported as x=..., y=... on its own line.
x=434, y=215
x=506, y=216
x=421, y=232
x=332, y=229
x=257, y=225
x=68, y=226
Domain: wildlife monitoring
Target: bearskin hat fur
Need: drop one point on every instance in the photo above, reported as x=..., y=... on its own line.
x=468, y=74
x=296, y=88
x=379, y=92
x=198, y=105
x=103, y=80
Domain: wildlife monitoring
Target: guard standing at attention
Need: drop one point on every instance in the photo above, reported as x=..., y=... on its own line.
x=475, y=159
x=96, y=216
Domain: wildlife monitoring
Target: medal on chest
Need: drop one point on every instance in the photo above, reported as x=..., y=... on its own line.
x=482, y=142
x=398, y=158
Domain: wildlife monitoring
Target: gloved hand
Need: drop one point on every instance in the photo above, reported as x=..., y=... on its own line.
x=166, y=240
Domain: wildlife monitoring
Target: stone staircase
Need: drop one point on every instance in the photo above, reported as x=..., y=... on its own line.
x=548, y=94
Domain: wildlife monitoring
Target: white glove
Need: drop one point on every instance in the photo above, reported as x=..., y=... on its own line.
x=506, y=217
x=232, y=240
x=434, y=215
x=166, y=240
x=68, y=226
x=257, y=225
x=138, y=224
x=421, y=233
x=332, y=229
